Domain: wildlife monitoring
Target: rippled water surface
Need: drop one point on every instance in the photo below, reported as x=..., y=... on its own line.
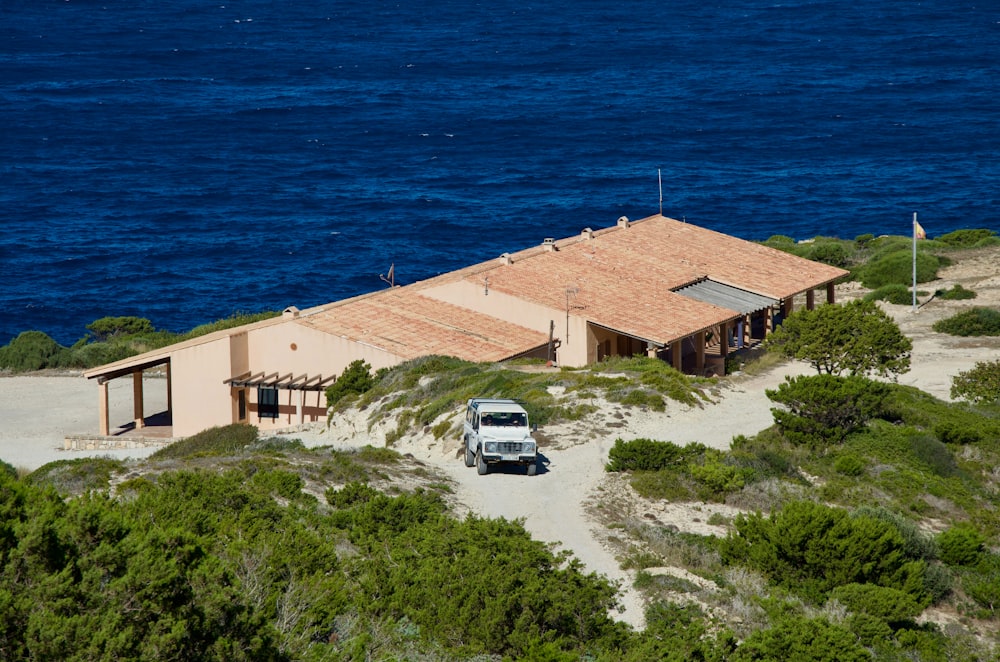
x=182, y=161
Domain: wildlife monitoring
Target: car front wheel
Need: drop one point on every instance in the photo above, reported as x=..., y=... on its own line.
x=481, y=466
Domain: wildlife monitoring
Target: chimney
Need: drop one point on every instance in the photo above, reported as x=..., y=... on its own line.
x=549, y=244
x=587, y=233
x=505, y=259
x=623, y=222
x=290, y=312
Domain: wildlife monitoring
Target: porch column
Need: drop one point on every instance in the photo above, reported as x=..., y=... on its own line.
x=170, y=391
x=810, y=299
x=137, y=399
x=104, y=422
x=675, y=353
x=299, y=409
x=787, y=306
x=768, y=320
x=831, y=296
x=724, y=339
x=699, y=352
x=747, y=329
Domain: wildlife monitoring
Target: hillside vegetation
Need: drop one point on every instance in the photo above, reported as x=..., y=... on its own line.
x=230, y=546
x=863, y=525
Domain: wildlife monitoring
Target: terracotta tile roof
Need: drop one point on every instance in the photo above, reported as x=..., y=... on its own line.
x=623, y=277
x=409, y=325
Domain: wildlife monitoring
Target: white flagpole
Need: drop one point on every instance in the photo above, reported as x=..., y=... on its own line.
x=914, y=229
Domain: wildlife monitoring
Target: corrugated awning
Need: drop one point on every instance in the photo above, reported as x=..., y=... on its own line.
x=727, y=296
x=287, y=381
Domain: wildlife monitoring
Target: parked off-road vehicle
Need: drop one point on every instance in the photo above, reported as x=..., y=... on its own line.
x=497, y=431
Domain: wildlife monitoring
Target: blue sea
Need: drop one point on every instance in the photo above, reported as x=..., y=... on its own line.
x=186, y=160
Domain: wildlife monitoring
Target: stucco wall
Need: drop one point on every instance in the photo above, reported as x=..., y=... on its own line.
x=298, y=349
x=200, y=397
x=524, y=313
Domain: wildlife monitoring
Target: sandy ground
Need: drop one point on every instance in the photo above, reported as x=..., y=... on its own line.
x=37, y=412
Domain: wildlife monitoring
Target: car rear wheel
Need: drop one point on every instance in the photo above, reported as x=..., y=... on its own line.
x=470, y=457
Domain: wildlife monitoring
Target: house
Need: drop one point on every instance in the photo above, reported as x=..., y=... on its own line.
x=657, y=286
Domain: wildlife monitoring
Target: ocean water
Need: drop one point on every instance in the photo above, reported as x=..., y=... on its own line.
x=186, y=160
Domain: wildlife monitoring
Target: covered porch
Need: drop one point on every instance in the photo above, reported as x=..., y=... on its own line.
x=143, y=423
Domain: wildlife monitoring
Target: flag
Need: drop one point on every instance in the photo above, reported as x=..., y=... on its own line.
x=918, y=232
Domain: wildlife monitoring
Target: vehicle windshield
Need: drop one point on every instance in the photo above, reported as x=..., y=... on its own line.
x=505, y=419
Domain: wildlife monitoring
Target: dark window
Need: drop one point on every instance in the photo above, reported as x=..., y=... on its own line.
x=241, y=405
x=267, y=402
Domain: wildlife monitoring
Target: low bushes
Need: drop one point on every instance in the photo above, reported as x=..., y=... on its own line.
x=955, y=293
x=974, y=322
x=811, y=549
x=897, y=267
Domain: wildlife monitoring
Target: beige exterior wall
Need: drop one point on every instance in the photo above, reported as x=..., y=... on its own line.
x=200, y=398
x=298, y=349
x=573, y=351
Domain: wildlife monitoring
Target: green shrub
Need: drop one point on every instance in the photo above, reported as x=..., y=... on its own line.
x=107, y=328
x=968, y=238
x=834, y=253
x=974, y=322
x=354, y=380
x=886, y=604
x=958, y=432
x=800, y=638
x=649, y=455
x=982, y=583
x=934, y=454
x=897, y=267
x=955, y=293
x=849, y=465
x=981, y=384
x=717, y=479
x=781, y=242
x=856, y=338
x=811, y=549
x=824, y=409
x=224, y=440
x=895, y=293
x=32, y=350
x=960, y=545
x=862, y=240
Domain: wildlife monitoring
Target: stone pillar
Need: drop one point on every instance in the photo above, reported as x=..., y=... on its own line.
x=137, y=399
x=810, y=299
x=768, y=320
x=104, y=422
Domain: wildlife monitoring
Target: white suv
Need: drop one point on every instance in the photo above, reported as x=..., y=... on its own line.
x=497, y=431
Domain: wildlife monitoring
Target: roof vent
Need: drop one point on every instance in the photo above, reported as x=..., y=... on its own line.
x=549, y=244
x=587, y=233
x=506, y=259
x=623, y=222
x=291, y=312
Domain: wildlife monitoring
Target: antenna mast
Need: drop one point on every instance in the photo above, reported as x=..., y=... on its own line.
x=660, y=178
